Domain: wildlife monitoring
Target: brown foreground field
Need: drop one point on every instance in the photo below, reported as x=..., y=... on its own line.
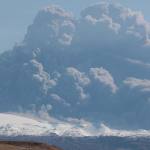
x=25, y=146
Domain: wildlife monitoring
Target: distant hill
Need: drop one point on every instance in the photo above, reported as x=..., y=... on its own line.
x=90, y=143
x=25, y=146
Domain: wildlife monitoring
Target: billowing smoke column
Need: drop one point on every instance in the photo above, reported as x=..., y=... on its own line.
x=95, y=66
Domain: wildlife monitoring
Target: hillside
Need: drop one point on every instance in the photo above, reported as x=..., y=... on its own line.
x=25, y=146
x=90, y=143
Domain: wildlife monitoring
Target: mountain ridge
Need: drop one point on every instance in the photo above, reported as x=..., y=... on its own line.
x=15, y=145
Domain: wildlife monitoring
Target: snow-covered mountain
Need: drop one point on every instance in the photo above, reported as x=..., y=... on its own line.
x=94, y=67
x=12, y=125
x=16, y=125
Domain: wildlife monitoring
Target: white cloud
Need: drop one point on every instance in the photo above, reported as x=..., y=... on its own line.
x=59, y=99
x=141, y=84
x=65, y=39
x=104, y=77
x=109, y=23
x=139, y=25
x=56, y=97
x=106, y=20
x=123, y=21
x=42, y=76
x=138, y=62
x=51, y=27
x=81, y=91
x=80, y=77
x=57, y=11
x=81, y=81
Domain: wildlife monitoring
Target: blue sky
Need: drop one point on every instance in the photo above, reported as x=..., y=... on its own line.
x=16, y=15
